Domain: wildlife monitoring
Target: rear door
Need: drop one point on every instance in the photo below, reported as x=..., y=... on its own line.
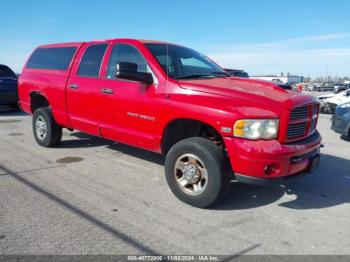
x=83, y=88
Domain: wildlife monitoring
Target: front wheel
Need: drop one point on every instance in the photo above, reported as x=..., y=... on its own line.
x=46, y=131
x=194, y=172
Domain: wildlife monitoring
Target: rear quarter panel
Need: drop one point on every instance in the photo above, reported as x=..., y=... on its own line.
x=49, y=83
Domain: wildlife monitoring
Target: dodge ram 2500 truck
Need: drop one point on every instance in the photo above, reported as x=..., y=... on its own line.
x=172, y=100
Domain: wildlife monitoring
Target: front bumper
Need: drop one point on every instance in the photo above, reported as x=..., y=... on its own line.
x=269, y=161
x=258, y=181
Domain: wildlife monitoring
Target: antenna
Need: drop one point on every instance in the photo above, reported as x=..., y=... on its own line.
x=167, y=61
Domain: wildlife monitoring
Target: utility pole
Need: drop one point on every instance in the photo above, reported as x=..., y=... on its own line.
x=327, y=74
x=336, y=76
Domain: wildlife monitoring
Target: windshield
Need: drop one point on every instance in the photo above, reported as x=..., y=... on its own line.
x=183, y=63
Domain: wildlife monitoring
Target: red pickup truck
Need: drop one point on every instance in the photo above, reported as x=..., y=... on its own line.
x=173, y=100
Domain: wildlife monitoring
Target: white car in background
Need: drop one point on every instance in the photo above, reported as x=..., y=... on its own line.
x=323, y=99
x=332, y=102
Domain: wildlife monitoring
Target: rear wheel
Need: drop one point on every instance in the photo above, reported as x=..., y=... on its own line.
x=194, y=172
x=46, y=131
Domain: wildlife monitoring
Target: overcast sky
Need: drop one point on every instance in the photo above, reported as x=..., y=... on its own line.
x=309, y=38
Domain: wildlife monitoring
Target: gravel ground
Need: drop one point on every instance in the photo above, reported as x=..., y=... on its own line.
x=93, y=196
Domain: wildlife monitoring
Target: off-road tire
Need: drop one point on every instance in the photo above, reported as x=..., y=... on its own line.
x=213, y=159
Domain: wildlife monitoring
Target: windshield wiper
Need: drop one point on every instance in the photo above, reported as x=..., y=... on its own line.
x=212, y=74
x=220, y=74
x=193, y=76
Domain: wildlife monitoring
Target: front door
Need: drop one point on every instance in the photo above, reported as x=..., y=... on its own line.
x=130, y=109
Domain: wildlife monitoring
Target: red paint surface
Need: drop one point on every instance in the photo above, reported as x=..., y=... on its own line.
x=217, y=102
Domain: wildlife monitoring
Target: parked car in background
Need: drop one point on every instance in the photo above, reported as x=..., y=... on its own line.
x=283, y=78
x=341, y=87
x=285, y=86
x=243, y=74
x=276, y=80
x=310, y=87
x=322, y=99
x=281, y=84
x=326, y=86
x=321, y=87
x=331, y=103
x=8, y=87
x=341, y=119
x=237, y=72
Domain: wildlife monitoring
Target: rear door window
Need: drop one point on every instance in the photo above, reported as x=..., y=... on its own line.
x=57, y=58
x=91, y=62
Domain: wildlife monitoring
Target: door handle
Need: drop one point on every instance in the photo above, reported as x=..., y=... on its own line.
x=74, y=86
x=107, y=91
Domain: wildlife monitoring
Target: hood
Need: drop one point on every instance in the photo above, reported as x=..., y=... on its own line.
x=256, y=91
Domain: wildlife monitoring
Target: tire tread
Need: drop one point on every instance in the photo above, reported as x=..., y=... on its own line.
x=215, y=161
x=54, y=134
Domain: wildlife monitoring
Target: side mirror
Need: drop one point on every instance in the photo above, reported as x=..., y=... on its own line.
x=129, y=71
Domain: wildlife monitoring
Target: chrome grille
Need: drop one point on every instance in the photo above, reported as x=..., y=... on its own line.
x=299, y=112
x=296, y=130
x=302, y=121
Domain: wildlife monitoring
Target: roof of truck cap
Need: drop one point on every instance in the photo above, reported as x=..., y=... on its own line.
x=144, y=41
x=153, y=42
x=61, y=45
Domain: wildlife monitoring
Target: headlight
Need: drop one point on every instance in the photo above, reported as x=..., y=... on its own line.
x=346, y=105
x=256, y=128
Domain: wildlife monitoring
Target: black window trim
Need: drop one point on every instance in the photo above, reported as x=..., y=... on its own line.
x=126, y=80
x=102, y=60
